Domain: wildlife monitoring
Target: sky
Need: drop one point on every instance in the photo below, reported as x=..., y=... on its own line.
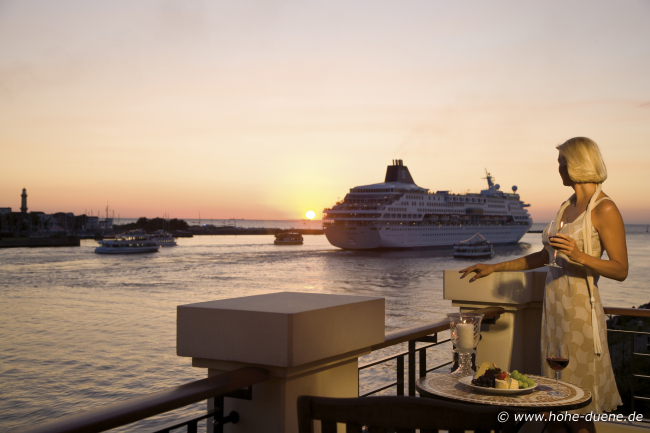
x=268, y=109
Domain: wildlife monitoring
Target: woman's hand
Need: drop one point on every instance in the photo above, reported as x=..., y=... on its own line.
x=566, y=245
x=480, y=269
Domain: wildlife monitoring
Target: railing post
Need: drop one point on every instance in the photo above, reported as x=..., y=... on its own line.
x=219, y=413
x=412, y=368
x=308, y=342
x=211, y=407
x=423, y=363
x=400, y=375
x=632, y=372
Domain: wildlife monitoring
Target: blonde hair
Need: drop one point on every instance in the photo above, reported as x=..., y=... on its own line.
x=584, y=161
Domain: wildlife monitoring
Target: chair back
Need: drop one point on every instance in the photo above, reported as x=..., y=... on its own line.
x=399, y=415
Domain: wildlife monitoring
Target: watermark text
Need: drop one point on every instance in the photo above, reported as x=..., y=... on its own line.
x=566, y=416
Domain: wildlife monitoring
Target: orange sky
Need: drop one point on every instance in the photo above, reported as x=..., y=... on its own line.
x=264, y=110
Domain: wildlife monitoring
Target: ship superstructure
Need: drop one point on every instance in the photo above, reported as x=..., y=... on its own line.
x=399, y=214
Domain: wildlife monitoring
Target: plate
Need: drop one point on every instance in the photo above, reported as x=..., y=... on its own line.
x=467, y=380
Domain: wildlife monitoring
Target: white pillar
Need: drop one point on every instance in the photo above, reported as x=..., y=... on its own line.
x=309, y=342
x=513, y=342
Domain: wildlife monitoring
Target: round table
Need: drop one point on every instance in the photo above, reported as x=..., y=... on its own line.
x=447, y=386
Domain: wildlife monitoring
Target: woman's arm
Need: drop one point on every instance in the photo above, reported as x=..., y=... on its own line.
x=608, y=222
x=531, y=261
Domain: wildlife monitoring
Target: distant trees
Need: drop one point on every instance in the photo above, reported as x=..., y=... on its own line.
x=80, y=221
x=151, y=225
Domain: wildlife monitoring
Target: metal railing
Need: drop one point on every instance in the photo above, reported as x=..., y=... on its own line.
x=232, y=384
x=420, y=334
x=633, y=354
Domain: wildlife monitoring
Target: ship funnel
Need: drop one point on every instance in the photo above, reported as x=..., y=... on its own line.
x=398, y=172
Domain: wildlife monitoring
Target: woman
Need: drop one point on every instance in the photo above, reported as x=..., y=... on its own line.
x=571, y=299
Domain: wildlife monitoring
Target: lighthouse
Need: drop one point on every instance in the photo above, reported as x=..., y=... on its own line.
x=23, y=203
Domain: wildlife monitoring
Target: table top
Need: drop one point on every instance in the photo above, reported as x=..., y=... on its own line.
x=447, y=386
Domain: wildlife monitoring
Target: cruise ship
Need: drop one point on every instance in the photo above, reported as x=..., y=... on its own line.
x=399, y=214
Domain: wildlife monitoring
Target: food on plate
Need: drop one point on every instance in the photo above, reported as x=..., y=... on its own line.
x=488, y=378
x=522, y=380
x=491, y=376
x=481, y=371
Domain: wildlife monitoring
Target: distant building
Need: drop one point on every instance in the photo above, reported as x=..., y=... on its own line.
x=40, y=215
x=92, y=223
x=65, y=220
x=5, y=210
x=106, y=224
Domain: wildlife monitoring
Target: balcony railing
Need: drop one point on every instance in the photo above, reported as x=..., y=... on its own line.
x=429, y=334
x=421, y=334
x=138, y=408
x=237, y=383
x=634, y=359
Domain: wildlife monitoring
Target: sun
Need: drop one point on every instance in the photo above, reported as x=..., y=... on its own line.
x=310, y=214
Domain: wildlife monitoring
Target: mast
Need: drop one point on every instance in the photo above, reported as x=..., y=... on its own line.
x=489, y=178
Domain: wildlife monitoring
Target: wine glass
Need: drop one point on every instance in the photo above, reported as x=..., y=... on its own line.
x=557, y=357
x=552, y=231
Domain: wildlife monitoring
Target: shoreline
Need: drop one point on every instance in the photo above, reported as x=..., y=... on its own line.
x=67, y=241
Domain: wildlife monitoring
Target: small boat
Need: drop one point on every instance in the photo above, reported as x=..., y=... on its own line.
x=288, y=239
x=473, y=248
x=135, y=241
x=163, y=238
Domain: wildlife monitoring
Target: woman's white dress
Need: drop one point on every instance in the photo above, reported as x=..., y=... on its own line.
x=567, y=318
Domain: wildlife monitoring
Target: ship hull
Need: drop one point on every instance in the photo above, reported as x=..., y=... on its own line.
x=354, y=238
x=436, y=236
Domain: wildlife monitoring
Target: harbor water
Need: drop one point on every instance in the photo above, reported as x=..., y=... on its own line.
x=79, y=330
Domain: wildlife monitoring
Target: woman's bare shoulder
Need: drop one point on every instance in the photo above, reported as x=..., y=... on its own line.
x=606, y=210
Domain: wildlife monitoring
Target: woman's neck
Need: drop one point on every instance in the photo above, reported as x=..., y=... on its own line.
x=584, y=192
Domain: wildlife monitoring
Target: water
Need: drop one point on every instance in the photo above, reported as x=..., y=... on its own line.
x=79, y=330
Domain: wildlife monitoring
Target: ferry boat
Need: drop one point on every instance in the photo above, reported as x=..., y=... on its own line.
x=288, y=239
x=397, y=213
x=476, y=247
x=163, y=238
x=134, y=241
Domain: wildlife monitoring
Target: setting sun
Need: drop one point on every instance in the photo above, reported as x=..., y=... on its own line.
x=311, y=214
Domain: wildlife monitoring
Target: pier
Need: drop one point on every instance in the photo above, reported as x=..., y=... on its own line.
x=196, y=230
x=36, y=242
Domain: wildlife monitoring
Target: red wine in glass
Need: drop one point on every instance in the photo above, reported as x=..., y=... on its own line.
x=557, y=357
x=557, y=364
